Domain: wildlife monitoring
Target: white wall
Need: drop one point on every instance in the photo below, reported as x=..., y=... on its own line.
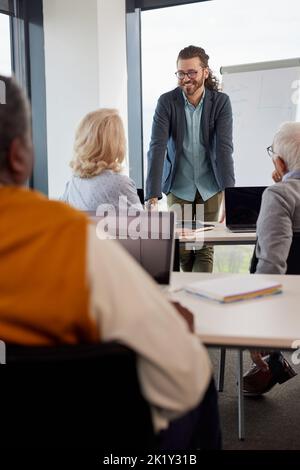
x=112, y=55
x=71, y=57
x=85, y=55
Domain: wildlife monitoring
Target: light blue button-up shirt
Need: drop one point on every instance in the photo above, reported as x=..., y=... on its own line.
x=292, y=174
x=193, y=171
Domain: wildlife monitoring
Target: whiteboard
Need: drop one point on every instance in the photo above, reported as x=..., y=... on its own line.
x=263, y=95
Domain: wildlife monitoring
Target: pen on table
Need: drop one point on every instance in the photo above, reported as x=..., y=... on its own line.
x=177, y=289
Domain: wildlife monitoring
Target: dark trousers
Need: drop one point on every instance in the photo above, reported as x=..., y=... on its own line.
x=197, y=429
x=198, y=260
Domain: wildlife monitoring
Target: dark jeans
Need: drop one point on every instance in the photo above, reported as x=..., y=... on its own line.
x=197, y=429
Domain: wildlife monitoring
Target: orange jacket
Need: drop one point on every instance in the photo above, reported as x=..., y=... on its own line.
x=44, y=295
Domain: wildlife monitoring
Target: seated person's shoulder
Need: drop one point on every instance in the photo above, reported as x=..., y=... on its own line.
x=61, y=211
x=123, y=180
x=279, y=193
x=278, y=189
x=271, y=191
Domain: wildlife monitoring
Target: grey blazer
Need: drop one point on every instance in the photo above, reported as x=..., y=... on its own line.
x=168, y=134
x=278, y=219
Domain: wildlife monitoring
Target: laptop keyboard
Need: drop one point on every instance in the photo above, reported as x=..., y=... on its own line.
x=241, y=229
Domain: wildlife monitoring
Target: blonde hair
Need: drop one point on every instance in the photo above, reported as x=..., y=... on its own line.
x=99, y=143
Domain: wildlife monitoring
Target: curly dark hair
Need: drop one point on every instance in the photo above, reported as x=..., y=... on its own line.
x=190, y=52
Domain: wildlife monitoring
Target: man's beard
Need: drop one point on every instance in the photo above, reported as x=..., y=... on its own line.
x=191, y=88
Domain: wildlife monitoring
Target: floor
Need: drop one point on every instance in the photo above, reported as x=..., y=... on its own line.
x=271, y=421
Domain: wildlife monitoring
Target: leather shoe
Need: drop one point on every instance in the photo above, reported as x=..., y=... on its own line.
x=257, y=381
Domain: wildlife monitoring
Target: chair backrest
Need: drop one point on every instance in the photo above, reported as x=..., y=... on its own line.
x=81, y=396
x=141, y=195
x=148, y=236
x=293, y=260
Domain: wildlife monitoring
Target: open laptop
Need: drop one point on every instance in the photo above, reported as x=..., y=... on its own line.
x=242, y=206
x=149, y=237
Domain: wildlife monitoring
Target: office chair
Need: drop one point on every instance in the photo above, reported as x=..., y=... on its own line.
x=149, y=237
x=293, y=259
x=293, y=267
x=141, y=195
x=176, y=263
x=73, y=396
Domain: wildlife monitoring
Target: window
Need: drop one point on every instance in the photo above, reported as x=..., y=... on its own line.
x=22, y=52
x=231, y=34
x=256, y=32
x=5, y=45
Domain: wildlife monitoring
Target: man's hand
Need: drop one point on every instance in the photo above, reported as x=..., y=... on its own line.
x=186, y=314
x=276, y=176
x=257, y=358
x=222, y=214
x=151, y=204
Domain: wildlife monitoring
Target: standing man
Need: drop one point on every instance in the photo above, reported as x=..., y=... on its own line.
x=190, y=155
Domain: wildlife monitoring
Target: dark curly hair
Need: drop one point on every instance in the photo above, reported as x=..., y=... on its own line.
x=190, y=52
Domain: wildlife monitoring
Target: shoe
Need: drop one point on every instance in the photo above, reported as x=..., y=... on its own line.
x=281, y=369
x=257, y=381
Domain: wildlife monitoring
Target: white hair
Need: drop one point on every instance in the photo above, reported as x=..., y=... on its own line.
x=286, y=144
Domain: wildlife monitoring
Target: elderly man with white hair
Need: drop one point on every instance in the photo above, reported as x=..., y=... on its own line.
x=280, y=210
x=279, y=218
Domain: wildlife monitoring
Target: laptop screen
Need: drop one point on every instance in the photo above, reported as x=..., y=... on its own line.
x=148, y=237
x=242, y=205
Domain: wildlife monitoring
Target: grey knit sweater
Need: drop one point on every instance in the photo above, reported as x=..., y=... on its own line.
x=107, y=188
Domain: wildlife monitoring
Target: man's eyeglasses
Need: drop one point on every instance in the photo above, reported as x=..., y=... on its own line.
x=190, y=74
x=270, y=151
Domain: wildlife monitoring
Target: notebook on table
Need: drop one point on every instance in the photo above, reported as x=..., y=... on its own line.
x=234, y=288
x=242, y=206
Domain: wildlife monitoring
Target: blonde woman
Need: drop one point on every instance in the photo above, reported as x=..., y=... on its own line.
x=99, y=152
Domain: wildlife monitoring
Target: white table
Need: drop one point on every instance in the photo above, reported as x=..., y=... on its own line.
x=271, y=321
x=220, y=235
x=265, y=322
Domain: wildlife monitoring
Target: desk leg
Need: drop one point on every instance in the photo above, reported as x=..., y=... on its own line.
x=241, y=415
x=221, y=369
x=176, y=265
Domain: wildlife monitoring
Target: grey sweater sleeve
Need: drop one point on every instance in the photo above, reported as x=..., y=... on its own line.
x=274, y=230
x=130, y=192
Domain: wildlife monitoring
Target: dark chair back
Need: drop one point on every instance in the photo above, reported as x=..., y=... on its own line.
x=140, y=192
x=83, y=396
x=149, y=237
x=293, y=260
